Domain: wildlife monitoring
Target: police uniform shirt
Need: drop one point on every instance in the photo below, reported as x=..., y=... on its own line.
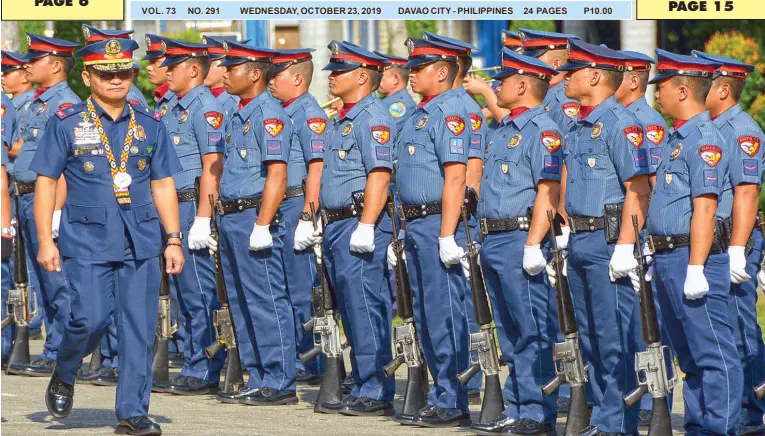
x=258, y=133
x=55, y=98
x=694, y=163
x=195, y=124
x=601, y=152
x=560, y=108
x=400, y=106
x=163, y=103
x=8, y=121
x=355, y=145
x=437, y=133
x=4, y=158
x=135, y=96
x=228, y=102
x=744, y=145
x=21, y=102
x=309, y=122
x=478, y=125
x=524, y=151
x=655, y=130
x=93, y=225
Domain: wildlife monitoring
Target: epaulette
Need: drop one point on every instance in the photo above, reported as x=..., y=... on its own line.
x=71, y=110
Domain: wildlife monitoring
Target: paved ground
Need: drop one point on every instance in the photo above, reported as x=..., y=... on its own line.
x=23, y=414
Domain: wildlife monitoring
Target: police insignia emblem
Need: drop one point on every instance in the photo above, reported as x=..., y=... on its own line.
x=214, y=119
x=176, y=140
x=42, y=108
x=475, y=122
x=455, y=124
x=515, y=140
x=273, y=126
x=85, y=31
x=397, y=109
x=317, y=125
x=225, y=46
x=29, y=40
x=34, y=133
x=247, y=126
x=141, y=164
x=148, y=41
x=676, y=151
x=571, y=109
x=334, y=48
x=228, y=138
x=412, y=148
x=184, y=116
x=88, y=166
x=163, y=111
x=591, y=162
x=668, y=178
x=113, y=50
x=410, y=45
x=134, y=150
x=504, y=167
x=597, y=129
x=710, y=154
x=635, y=135
x=551, y=140
x=749, y=145
x=204, y=40
x=655, y=133
x=164, y=45
x=243, y=153
x=149, y=149
x=140, y=133
x=421, y=122
x=381, y=134
x=347, y=129
x=341, y=154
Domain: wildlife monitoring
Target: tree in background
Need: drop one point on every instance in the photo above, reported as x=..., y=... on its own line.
x=72, y=31
x=414, y=28
x=143, y=83
x=543, y=25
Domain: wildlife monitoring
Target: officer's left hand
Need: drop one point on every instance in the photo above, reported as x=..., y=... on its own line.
x=261, y=238
x=622, y=261
x=56, y=223
x=738, y=273
x=476, y=85
x=363, y=238
x=533, y=259
x=696, y=285
x=449, y=252
x=199, y=233
x=174, y=259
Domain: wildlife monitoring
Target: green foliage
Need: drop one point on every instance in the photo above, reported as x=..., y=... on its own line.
x=36, y=27
x=72, y=31
x=543, y=25
x=734, y=44
x=414, y=28
x=189, y=35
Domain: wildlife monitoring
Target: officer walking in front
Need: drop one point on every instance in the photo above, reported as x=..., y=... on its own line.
x=746, y=245
x=393, y=88
x=195, y=122
x=689, y=244
x=7, y=232
x=521, y=184
x=214, y=80
x=111, y=227
x=48, y=63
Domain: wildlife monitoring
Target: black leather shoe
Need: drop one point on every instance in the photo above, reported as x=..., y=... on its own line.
x=441, y=417
x=348, y=384
x=474, y=396
x=494, y=427
x=176, y=360
x=38, y=368
x=109, y=377
x=594, y=431
x=178, y=382
x=563, y=404
x=340, y=406
x=83, y=376
x=59, y=397
x=270, y=397
x=193, y=386
x=366, y=406
x=235, y=397
x=305, y=377
x=406, y=419
x=644, y=417
x=529, y=427
x=138, y=426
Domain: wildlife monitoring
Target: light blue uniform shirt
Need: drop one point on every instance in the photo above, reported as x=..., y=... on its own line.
x=560, y=108
x=309, y=124
x=655, y=130
x=400, y=106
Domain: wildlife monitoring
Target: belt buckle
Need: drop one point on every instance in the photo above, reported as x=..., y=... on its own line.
x=484, y=226
x=219, y=207
x=571, y=224
x=400, y=212
x=651, y=247
x=324, y=216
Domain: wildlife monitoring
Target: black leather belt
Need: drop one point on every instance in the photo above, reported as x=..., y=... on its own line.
x=22, y=188
x=332, y=215
x=238, y=205
x=297, y=191
x=657, y=244
x=497, y=225
x=413, y=211
x=186, y=196
x=580, y=224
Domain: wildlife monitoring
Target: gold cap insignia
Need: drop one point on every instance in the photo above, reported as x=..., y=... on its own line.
x=334, y=48
x=410, y=45
x=85, y=31
x=148, y=41
x=113, y=49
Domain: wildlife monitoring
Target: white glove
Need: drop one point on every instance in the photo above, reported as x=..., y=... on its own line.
x=212, y=245
x=622, y=261
x=533, y=259
x=648, y=254
x=738, y=273
x=562, y=240
x=261, y=238
x=466, y=266
x=56, y=223
x=551, y=275
x=199, y=233
x=761, y=280
x=449, y=251
x=304, y=235
x=392, y=259
x=696, y=285
x=363, y=238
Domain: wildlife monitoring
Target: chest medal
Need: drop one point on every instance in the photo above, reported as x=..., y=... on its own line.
x=141, y=164
x=515, y=140
x=341, y=154
x=591, y=162
x=134, y=150
x=668, y=178
x=184, y=116
x=421, y=122
x=243, y=153
x=88, y=167
x=42, y=108
x=176, y=140
x=676, y=151
x=411, y=149
x=346, y=131
x=504, y=168
x=247, y=126
x=597, y=129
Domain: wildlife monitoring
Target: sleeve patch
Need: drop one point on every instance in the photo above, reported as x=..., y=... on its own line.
x=383, y=153
x=641, y=160
x=751, y=167
x=655, y=133
x=552, y=165
x=455, y=124
x=551, y=140
x=381, y=134
x=455, y=146
x=475, y=141
x=655, y=155
x=274, y=127
x=711, y=155
x=634, y=134
x=710, y=177
x=273, y=147
x=475, y=122
x=214, y=119
x=157, y=116
x=317, y=125
x=317, y=145
x=397, y=109
x=63, y=106
x=571, y=109
x=3, y=114
x=749, y=144
x=214, y=138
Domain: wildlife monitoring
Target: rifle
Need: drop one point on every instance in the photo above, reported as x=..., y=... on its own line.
x=326, y=333
x=569, y=365
x=165, y=329
x=19, y=310
x=223, y=321
x=406, y=343
x=759, y=390
x=482, y=342
x=650, y=365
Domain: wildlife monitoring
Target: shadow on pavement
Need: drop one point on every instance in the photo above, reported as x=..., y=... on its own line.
x=85, y=418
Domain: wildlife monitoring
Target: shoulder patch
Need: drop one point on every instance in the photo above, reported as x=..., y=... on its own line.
x=455, y=124
x=317, y=125
x=381, y=134
x=134, y=102
x=69, y=110
x=635, y=135
x=397, y=109
x=273, y=126
x=710, y=154
x=655, y=133
x=157, y=116
x=63, y=106
x=214, y=119
x=59, y=114
x=551, y=140
x=749, y=145
x=475, y=122
x=571, y=109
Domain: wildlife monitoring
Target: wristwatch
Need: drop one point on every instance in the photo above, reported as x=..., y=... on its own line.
x=306, y=216
x=178, y=235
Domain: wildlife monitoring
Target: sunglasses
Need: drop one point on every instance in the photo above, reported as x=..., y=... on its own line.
x=109, y=75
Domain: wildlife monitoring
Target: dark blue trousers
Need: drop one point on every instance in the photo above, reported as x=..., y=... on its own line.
x=9, y=333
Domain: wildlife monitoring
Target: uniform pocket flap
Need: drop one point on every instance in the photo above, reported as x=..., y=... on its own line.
x=146, y=212
x=87, y=214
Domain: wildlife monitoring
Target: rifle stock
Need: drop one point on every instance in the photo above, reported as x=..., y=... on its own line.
x=160, y=368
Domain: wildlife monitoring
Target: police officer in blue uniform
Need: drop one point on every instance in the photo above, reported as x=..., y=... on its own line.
x=118, y=198
x=6, y=230
x=689, y=243
x=605, y=180
x=431, y=180
x=354, y=189
x=521, y=183
x=214, y=79
x=252, y=187
x=195, y=122
x=48, y=62
x=741, y=195
x=292, y=74
x=512, y=41
x=393, y=88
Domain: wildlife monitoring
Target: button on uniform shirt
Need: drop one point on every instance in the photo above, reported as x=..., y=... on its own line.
x=601, y=152
x=135, y=96
x=8, y=122
x=477, y=124
x=195, y=123
x=258, y=133
x=694, y=163
x=309, y=124
x=31, y=129
x=655, y=130
x=400, y=106
x=93, y=225
x=355, y=145
x=560, y=108
x=744, y=144
x=524, y=151
x=438, y=133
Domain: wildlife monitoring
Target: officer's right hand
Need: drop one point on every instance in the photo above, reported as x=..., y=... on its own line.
x=305, y=236
x=562, y=239
x=212, y=244
x=48, y=257
x=261, y=238
x=199, y=233
x=738, y=272
x=696, y=285
x=449, y=251
x=174, y=260
x=533, y=259
x=551, y=275
x=392, y=258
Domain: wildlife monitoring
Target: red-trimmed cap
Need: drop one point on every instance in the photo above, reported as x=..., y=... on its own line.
x=93, y=34
x=671, y=64
x=114, y=54
x=511, y=40
x=40, y=46
x=728, y=67
x=347, y=56
x=584, y=55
